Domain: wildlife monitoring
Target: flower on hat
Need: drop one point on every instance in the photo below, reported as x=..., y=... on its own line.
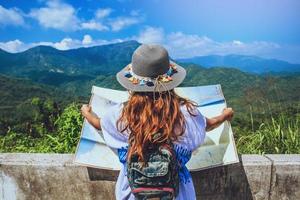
x=135, y=79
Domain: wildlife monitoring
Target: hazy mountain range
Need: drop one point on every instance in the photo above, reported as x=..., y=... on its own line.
x=251, y=64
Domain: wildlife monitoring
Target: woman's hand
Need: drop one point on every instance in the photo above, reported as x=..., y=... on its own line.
x=86, y=110
x=212, y=123
x=228, y=113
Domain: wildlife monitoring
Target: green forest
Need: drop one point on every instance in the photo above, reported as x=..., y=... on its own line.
x=40, y=106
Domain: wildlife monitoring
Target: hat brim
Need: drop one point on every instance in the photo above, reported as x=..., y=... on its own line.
x=177, y=78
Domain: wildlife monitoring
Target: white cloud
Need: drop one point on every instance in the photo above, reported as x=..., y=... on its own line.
x=102, y=21
x=67, y=43
x=151, y=35
x=87, y=39
x=184, y=45
x=12, y=16
x=13, y=46
x=181, y=45
x=63, y=16
x=121, y=22
x=57, y=15
x=188, y=45
x=103, y=12
x=94, y=25
x=237, y=42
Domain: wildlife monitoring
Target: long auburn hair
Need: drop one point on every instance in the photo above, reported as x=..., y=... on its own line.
x=148, y=113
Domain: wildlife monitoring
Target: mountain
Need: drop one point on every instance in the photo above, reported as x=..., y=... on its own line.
x=92, y=60
x=252, y=64
x=108, y=59
x=235, y=82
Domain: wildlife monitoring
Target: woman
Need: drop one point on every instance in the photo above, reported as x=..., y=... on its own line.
x=153, y=107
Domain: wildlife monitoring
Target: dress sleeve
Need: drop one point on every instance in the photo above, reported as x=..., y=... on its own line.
x=112, y=136
x=196, y=126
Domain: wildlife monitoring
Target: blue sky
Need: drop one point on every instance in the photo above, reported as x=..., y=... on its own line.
x=266, y=28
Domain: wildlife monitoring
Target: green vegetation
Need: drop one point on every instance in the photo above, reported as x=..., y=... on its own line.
x=280, y=135
x=61, y=136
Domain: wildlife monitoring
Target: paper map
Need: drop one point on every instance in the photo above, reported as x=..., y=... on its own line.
x=218, y=149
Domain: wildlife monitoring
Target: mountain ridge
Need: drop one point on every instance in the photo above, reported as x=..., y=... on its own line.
x=246, y=63
x=96, y=59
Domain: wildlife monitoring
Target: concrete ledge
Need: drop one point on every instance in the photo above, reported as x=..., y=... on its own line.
x=54, y=176
x=285, y=179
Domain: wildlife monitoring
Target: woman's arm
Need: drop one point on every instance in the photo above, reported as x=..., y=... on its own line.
x=212, y=123
x=86, y=111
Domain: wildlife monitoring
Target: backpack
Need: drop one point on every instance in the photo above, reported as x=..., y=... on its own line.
x=158, y=178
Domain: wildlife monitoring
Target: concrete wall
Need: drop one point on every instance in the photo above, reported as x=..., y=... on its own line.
x=54, y=176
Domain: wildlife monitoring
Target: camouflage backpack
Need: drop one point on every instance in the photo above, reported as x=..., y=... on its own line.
x=158, y=178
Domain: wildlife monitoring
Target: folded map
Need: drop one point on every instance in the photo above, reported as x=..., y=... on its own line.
x=218, y=148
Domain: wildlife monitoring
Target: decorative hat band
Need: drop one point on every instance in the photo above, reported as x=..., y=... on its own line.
x=141, y=80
